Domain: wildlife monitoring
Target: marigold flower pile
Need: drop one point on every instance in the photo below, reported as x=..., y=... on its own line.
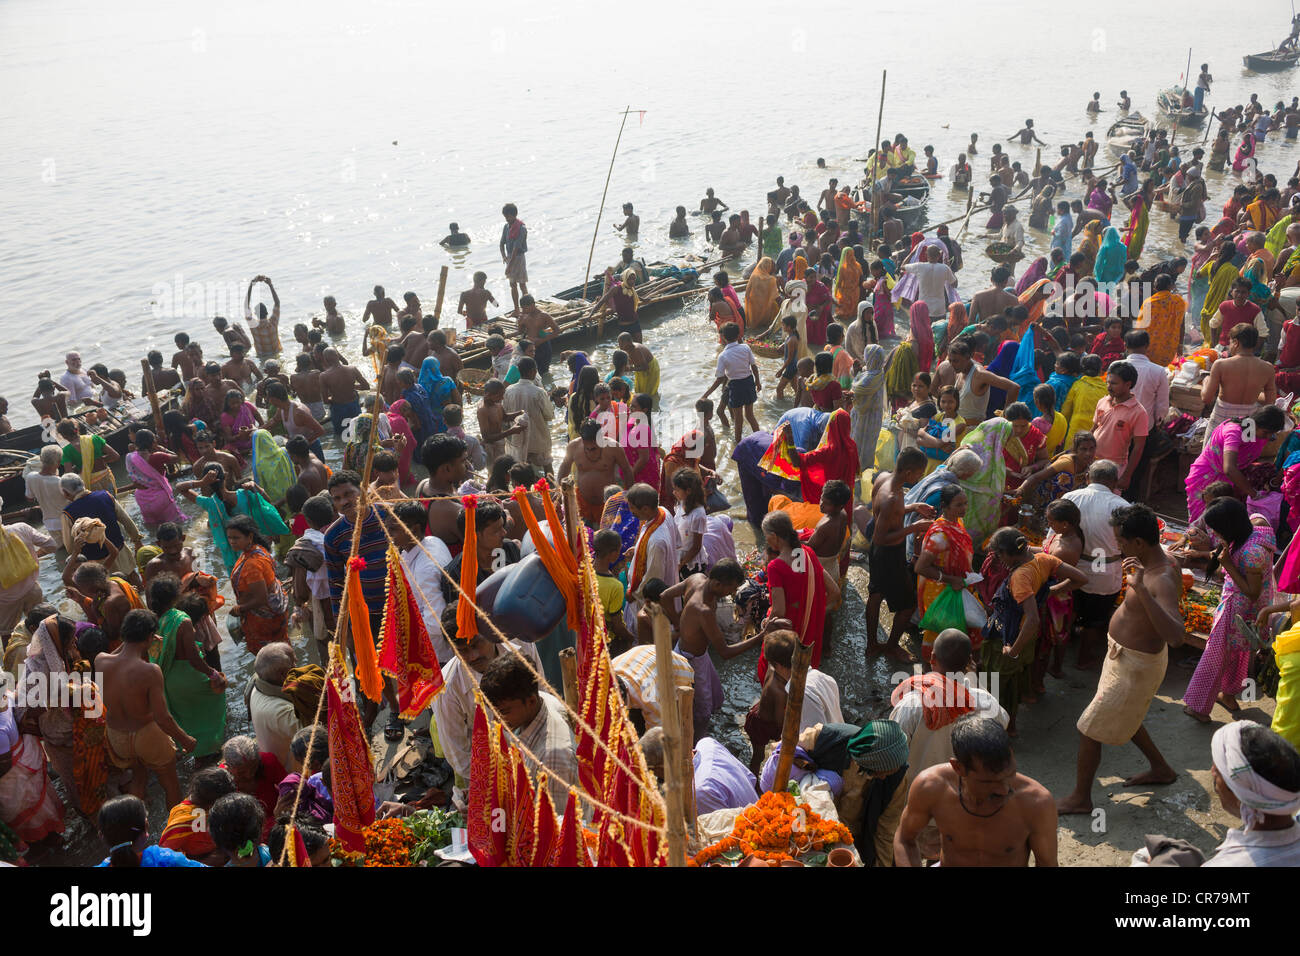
x=776, y=828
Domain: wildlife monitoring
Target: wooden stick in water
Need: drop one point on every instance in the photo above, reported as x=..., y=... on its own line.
x=673, y=783
x=442, y=289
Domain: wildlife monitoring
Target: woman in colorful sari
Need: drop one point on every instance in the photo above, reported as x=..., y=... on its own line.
x=835, y=457
x=1245, y=150
x=922, y=335
x=272, y=469
x=1037, y=270
x=984, y=489
x=29, y=804
x=354, y=452
x=1064, y=541
x=1247, y=556
x=1003, y=362
x=238, y=418
x=761, y=295
x=1226, y=453
x=1138, y=221
x=848, y=286
x=642, y=449
x=1089, y=246
x=582, y=400
x=944, y=559
x=90, y=455
x=868, y=412
x=685, y=453
x=1221, y=274
x=440, y=388
x=1035, y=299
x=261, y=608
x=51, y=658
x=1108, y=269
x=798, y=587
x=399, y=424
x=222, y=505
x=153, y=492
x=195, y=691
x=818, y=300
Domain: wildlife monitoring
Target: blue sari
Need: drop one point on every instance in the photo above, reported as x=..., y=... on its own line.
x=439, y=388
x=430, y=425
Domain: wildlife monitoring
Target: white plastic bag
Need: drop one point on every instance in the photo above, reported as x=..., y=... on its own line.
x=976, y=616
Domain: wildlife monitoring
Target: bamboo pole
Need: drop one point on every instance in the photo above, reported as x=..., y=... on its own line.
x=151, y=390
x=686, y=713
x=572, y=527
x=673, y=783
x=442, y=290
x=875, y=166
x=600, y=212
x=569, y=669
x=793, y=713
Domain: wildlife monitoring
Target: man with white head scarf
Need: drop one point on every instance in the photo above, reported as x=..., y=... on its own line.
x=1257, y=777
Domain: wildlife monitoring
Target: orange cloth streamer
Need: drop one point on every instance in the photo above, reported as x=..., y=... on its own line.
x=363, y=642
x=565, y=578
x=466, y=613
x=553, y=520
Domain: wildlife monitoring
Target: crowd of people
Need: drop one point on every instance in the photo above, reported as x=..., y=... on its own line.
x=927, y=430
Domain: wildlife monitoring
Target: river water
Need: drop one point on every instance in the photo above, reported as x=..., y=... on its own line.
x=156, y=156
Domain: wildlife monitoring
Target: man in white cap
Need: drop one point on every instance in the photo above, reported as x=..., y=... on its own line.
x=1257, y=778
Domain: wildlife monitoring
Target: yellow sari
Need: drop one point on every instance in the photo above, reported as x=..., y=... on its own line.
x=1220, y=284
x=761, y=296
x=94, y=480
x=848, y=286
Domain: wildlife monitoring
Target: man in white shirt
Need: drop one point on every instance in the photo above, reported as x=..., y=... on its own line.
x=533, y=444
x=453, y=709
x=1094, y=603
x=76, y=382
x=1152, y=388
x=655, y=553
x=1013, y=232
x=423, y=558
x=271, y=712
x=43, y=488
x=738, y=369
x=538, y=720
x=933, y=280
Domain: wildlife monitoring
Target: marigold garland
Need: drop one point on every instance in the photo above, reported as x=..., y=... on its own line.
x=770, y=830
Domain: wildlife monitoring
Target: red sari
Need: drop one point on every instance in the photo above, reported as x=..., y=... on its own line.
x=836, y=456
x=805, y=601
x=818, y=300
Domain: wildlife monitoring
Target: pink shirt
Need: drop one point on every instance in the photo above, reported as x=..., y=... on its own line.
x=1115, y=425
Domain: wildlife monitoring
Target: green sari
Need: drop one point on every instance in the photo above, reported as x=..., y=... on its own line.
x=200, y=711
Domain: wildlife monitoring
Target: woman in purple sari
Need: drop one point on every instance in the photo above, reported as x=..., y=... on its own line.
x=237, y=424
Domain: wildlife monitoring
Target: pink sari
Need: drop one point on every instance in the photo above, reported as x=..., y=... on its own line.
x=640, y=436
x=153, y=492
x=400, y=426
x=242, y=419
x=28, y=803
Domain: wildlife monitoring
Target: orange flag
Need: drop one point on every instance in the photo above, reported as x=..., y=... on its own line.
x=363, y=642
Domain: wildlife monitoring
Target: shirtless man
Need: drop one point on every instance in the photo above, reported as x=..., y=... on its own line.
x=679, y=228
x=296, y=417
x=140, y=729
x=209, y=453
x=474, y=302
x=891, y=577
x=216, y=383
x=631, y=223
x=1142, y=630
x=973, y=382
x=1027, y=135
x=495, y=425
x=596, y=463
x=415, y=342
x=446, y=458
x=312, y=473
x=449, y=362
x=828, y=537
x=241, y=369
x=987, y=813
x=305, y=383
x=380, y=309
x=540, y=328
x=49, y=400
x=163, y=378
x=1237, y=384
x=716, y=227
x=181, y=358
x=263, y=323
x=781, y=193
x=103, y=599
x=339, y=384
x=334, y=323
x=827, y=198
x=231, y=332
x=711, y=203
x=698, y=631
x=388, y=386
x=175, y=557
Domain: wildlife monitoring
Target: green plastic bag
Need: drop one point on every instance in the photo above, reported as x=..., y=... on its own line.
x=944, y=612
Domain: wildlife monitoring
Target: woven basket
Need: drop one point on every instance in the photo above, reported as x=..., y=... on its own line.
x=994, y=251
x=473, y=380
x=765, y=350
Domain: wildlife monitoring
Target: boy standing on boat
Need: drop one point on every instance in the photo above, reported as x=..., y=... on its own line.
x=514, y=246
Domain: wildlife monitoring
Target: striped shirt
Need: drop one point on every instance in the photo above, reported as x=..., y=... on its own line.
x=373, y=548
x=640, y=675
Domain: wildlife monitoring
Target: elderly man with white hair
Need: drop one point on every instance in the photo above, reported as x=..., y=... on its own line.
x=76, y=382
x=960, y=467
x=256, y=773
x=92, y=520
x=44, y=488
x=269, y=708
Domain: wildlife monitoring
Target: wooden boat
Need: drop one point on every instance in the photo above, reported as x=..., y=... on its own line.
x=23, y=444
x=1274, y=61
x=1127, y=132
x=915, y=191
x=1170, y=104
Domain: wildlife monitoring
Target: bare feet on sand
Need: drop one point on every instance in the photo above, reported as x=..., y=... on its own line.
x=1203, y=718
x=1153, y=777
x=1228, y=703
x=1073, y=804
